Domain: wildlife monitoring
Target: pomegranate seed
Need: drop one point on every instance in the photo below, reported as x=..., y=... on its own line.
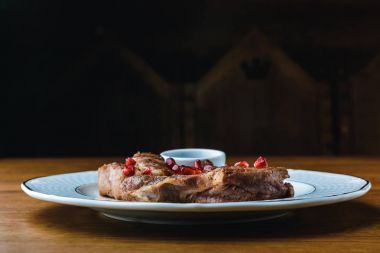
x=129, y=171
x=242, y=164
x=176, y=168
x=261, y=162
x=197, y=171
x=129, y=161
x=187, y=171
x=207, y=162
x=147, y=171
x=208, y=168
x=170, y=162
x=198, y=164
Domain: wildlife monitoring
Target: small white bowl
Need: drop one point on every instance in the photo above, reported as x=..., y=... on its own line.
x=187, y=156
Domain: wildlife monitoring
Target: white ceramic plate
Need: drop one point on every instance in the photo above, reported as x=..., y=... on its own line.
x=312, y=188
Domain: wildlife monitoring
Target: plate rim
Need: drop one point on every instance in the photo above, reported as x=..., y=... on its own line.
x=261, y=205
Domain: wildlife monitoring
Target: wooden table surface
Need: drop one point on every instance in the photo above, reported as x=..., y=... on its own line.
x=30, y=225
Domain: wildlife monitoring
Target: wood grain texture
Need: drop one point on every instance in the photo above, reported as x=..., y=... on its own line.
x=29, y=225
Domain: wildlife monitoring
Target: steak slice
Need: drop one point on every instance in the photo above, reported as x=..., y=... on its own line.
x=225, y=184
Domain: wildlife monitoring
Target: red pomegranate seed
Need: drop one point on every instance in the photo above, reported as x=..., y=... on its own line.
x=242, y=164
x=198, y=164
x=197, y=171
x=261, y=163
x=207, y=162
x=129, y=171
x=208, y=168
x=187, y=170
x=170, y=162
x=176, y=168
x=147, y=171
x=129, y=161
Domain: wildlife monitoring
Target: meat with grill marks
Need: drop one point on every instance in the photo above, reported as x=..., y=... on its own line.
x=224, y=184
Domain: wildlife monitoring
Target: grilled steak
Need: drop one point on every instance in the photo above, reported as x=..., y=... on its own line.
x=225, y=184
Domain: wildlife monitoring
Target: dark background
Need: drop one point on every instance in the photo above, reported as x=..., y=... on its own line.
x=249, y=77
